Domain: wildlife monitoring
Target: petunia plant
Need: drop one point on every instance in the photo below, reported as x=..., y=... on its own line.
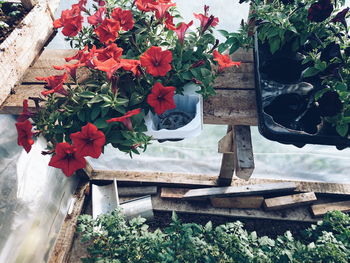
x=132, y=58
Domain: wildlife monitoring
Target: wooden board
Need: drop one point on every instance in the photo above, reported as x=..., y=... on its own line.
x=64, y=242
x=22, y=46
x=243, y=148
x=256, y=189
x=321, y=209
x=289, y=201
x=294, y=214
x=237, y=202
x=227, y=167
x=28, y=4
x=136, y=191
x=173, y=193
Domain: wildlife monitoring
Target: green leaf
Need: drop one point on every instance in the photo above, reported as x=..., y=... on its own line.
x=275, y=44
x=309, y=72
x=87, y=94
x=81, y=115
x=223, y=32
x=94, y=113
x=342, y=129
x=101, y=123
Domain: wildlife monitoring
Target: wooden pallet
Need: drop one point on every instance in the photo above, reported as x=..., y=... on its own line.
x=25, y=43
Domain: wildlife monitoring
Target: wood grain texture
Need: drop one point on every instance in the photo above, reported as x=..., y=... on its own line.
x=124, y=191
x=173, y=193
x=243, y=149
x=64, y=242
x=321, y=209
x=227, y=167
x=22, y=46
x=254, y=189
x=289, y=201
x=237, y=202
x=180, y=206
x=28, y=4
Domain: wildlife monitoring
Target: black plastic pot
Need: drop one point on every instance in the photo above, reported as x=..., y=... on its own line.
x=287, y=111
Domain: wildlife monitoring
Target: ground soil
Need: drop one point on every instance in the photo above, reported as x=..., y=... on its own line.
x=11, y=14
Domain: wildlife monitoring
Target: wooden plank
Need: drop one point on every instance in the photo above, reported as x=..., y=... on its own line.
x=243, y=149
x=64, y=242
x=180, y=206
x=173, y=193
x=225, y=145
x=237, y=202
x=321, y=209
x=289, y=201
x=21, y=47
x=136, y=191
x=256, y=189
x=227, y=163
x=29, y=4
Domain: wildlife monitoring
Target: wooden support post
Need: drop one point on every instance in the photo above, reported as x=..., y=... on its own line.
x=243, y=152
x=228, y=159
x=29, y=4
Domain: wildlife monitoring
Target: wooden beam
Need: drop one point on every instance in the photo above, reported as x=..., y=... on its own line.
x=64, y=242
x=124, y=191
x=228, y=160
x=256, y=189
x=243, y=149
x=173, y=193
x=237, y=202
x=321, y=209
x=22, y=46
x=295, y=214
x=289, y=201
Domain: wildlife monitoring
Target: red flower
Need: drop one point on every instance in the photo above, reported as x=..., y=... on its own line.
x=131, y=65
x=156, y=61
x=145, y=5
x=89, y=141
x=71, y=20
x=109, y=66
x=206, y=20
x=341, y=17
x=97, y=18
x=161, y=98
x=125, y=119
x=111, y=51
x=108, y=30
x=67, y=159
x=55, y=83
x=70, y=68
x=124, y=17
x=84, y=57
x=24, y=131
x=169, y=23
x=224, y=61
x=161, y=9
x=181, y=31
x=25, y=114
x=320, y=11
x=100, y=2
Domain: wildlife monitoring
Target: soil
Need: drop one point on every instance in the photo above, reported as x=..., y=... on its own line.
x=11, y=14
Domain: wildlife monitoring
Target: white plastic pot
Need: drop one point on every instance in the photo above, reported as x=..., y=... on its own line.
x=191, y=103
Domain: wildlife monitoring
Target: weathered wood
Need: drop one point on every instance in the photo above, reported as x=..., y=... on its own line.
x=289, y=201
x=321, y=209
x=243, y=149
x=180, y=206
x=237, y=202
x=173, y=193
x=136, y=191
x=227, y=163
x=29, y=4
x=256, y=189
x=22, y=46
x=64, y=242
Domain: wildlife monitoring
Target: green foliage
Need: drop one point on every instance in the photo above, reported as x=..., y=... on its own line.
x=112, y=239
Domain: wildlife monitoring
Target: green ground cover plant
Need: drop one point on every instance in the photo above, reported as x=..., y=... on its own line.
x=112, y=239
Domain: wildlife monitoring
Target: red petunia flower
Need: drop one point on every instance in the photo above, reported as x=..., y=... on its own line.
x=161, y=98
x=169, y=21
x=100, y=2
x=206, y=20
x=111, y=51
x=224, y=61
x=67, y=158
x=124, y=17
x=181, y=31
x=161, y=9
x=156, y=61
x=341, y=17
x=320, y=11
x=131, y=65
x=25, y=114
x=89, y=141
x=84, y=56
x=24, y=131
x=145, y=5
x=71, y=20
x=108, y=30
x=70, y=68
x=109, y=66
x=55, y=83
x=125, y=119
x=97, y=18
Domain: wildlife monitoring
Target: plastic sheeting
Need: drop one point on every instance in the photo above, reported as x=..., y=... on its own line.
x=34, y=199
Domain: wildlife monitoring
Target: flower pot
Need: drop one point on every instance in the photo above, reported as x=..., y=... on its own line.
x=287, y=110
x=185, y=121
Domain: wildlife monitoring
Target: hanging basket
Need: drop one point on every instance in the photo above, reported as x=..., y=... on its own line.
x=185, y=121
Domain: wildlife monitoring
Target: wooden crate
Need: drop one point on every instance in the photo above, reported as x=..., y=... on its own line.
x=25, y=43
